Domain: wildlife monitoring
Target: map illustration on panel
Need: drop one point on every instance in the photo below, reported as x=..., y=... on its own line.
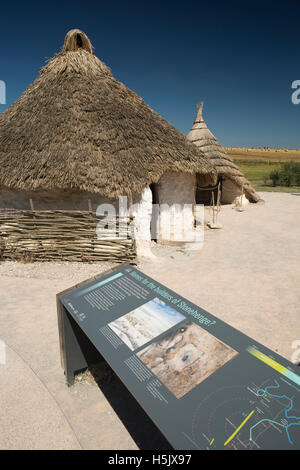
x=255, y=416
x=141, y=325
x=186, y=357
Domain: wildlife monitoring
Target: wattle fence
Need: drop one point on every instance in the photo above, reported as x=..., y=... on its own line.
x=31, y=235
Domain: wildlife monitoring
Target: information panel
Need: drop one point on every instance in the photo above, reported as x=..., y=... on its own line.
x=204, y=384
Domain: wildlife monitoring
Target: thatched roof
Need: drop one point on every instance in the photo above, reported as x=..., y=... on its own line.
x=76, y=127
x=201, y=136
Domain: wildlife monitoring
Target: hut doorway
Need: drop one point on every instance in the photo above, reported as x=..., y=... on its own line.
x=154, y=218
x=205, y=192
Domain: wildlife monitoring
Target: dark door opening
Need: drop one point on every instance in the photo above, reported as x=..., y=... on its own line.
x=205, y=194
x=155, y=212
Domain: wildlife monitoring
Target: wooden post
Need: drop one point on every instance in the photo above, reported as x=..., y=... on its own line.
x=130, y=220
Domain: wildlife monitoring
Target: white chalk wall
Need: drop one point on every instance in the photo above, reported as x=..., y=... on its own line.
x=142, y=212
x=229, y=191
x=54, y=200
x=175, y=220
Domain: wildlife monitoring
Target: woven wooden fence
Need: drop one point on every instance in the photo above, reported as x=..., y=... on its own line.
x=31, y=235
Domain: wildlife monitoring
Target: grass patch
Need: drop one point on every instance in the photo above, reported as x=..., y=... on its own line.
x=257, y=172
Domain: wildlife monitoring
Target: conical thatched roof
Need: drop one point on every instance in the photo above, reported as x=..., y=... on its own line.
x=76, y=127
x=201, y=136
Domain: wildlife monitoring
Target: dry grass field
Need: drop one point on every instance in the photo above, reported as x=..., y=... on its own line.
x=274, y=155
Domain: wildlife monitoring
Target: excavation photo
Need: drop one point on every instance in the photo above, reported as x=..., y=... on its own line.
x=186, y=357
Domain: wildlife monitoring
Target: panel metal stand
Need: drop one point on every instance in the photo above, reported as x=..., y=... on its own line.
x=77, y=350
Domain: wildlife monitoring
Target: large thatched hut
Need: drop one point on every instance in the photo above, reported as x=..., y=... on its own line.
x=233, y=182
x=77, y=135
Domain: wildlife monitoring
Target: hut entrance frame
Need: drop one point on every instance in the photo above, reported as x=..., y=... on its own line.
x=204, y=193
x=154, y=218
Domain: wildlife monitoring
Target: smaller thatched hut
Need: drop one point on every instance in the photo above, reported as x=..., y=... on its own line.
x=233, y=182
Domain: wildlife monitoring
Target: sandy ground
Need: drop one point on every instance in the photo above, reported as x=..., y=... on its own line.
x=247, y=274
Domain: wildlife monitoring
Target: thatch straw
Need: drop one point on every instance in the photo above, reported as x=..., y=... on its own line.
x=78, y=128
x=76, y=39
x=204, y=139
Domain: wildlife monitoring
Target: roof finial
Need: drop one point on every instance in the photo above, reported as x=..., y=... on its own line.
x=199, y=113
x=76, y=40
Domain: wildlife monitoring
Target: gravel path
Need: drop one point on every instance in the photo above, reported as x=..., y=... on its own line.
x=75, y=272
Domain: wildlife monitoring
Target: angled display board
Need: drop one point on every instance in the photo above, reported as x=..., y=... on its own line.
x=204, y=384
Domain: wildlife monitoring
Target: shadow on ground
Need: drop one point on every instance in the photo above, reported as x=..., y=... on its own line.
x=142, y=430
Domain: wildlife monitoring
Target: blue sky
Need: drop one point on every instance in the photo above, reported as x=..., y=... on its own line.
x=163, y=309
x=240, y=58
